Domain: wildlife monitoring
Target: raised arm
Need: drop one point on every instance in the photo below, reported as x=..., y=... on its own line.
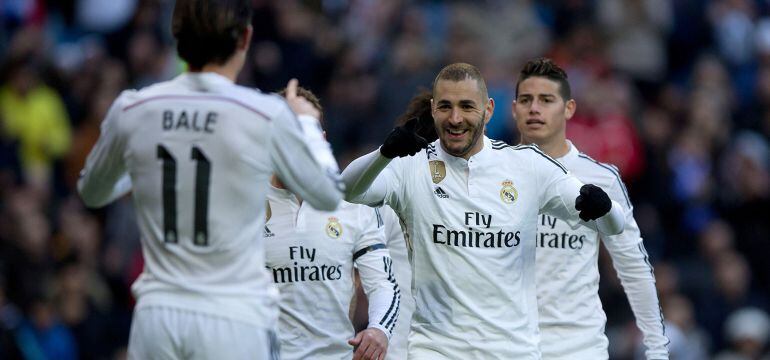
x=301, y=156
x=363, y=182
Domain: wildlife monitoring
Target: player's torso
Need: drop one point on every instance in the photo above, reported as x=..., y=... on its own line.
x=471, y=229
x=309, y=256
x=197, y=152
x=571, y=315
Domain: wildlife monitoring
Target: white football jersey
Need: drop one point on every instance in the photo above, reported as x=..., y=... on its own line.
x=197, y=152
x=571, y=316
x=310, y=257
x=397, y=247
x=470, y=230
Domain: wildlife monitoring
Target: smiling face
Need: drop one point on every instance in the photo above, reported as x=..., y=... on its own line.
x=541, y=112
x=460, y=112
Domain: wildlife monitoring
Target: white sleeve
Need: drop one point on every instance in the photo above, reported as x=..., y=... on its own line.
x=560, y=192
x=376, y=270
x=370, y=179
x=632, y=264
x=104, y=177
x=304, y=163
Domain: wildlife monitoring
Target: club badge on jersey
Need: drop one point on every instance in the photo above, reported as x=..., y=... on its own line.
x=334, y=228
x=508, y=193
x=437, y=170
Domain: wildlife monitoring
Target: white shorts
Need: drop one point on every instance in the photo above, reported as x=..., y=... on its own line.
x=170, y=333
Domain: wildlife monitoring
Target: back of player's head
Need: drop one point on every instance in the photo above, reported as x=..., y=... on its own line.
x=419, y=108
x=461, y=71
x=546, y=68
x=309, y=96
x=207, y=31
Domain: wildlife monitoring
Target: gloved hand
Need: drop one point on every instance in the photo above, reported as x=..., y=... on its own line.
x=403, y=141
x=592, y=202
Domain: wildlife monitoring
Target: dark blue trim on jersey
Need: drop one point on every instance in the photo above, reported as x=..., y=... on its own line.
x=197, y=98
x=499, y=145
x=614, y=172
x=367, y=249
x=652, y=273
x=380, y=222
x=395, y=303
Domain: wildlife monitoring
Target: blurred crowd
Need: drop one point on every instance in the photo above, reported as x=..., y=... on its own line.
x=676, y=93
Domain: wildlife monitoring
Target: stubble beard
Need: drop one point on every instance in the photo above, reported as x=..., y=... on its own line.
x=478, y=131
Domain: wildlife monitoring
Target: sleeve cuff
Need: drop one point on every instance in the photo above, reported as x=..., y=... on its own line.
x=381, y=328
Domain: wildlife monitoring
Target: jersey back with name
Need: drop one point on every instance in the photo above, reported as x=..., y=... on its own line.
x=197, y=149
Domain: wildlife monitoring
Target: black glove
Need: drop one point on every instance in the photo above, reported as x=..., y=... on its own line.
x=592, y=202
x=403, y=141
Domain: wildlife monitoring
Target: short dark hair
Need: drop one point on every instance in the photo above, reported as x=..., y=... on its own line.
x=309, y=96
x=207, y=31
x=419, y=108
x=545, y=67
x=462, y=71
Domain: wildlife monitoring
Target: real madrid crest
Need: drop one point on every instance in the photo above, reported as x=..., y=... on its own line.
x=334, y=228
x=437, y=170
x=508, y=193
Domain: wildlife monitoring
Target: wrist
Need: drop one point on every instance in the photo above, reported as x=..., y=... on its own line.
x=380, y=328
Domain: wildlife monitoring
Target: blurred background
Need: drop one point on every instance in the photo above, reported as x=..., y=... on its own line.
x=676, y=93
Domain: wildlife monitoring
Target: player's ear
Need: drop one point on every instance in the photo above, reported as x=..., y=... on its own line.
x=569, y=108
x=245, y=39
x=490, y=110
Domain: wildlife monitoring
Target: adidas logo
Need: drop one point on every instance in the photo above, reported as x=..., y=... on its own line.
x=441, y=193
x=268, y=233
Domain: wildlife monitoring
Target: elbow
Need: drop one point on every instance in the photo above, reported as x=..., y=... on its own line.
x=91, y=201
x=90, y=198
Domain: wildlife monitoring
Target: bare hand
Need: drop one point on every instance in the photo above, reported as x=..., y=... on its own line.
x=370, y=344
x=299, y=104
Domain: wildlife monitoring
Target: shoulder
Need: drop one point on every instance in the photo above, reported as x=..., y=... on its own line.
x=531, y=151
x=267, y=106
x=596, y=168
x=607, y=173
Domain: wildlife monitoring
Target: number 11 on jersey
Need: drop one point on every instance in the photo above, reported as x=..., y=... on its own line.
x=202, y=179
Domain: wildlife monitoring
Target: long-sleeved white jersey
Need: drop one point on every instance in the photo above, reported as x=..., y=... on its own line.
x=471, y=226
x=571, y=316
x=394, y=236
x=310, y=257
x=197, y=152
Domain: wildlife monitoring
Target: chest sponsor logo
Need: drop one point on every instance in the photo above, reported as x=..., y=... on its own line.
x=437, y=170
x=508, y=193
x=478, y=232
x=549, y=237
x=304, y=266
x=441, y=193
x=334, y=228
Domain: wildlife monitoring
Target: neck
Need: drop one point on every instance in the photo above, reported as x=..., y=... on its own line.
x=554, y=149
x=276, y=183
x=229, y=69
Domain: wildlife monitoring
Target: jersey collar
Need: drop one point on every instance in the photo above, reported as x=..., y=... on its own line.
x=481, y=156
x=206, y=77
x=277, y=194
x=572, y=154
